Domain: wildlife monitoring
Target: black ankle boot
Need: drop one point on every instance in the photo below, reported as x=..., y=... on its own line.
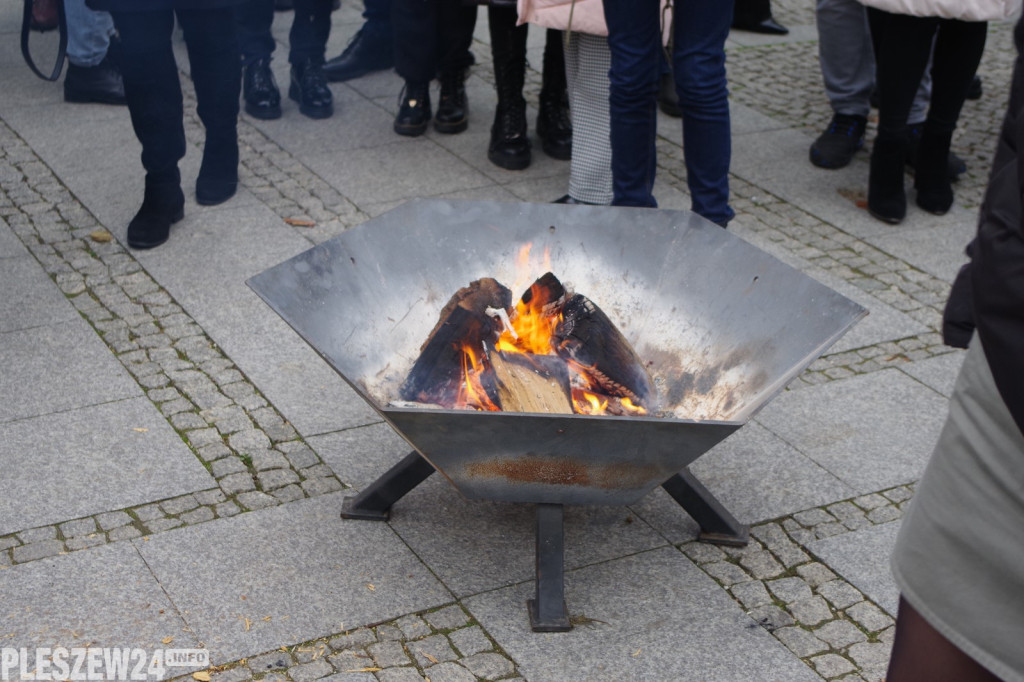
x=218, y=175
x=509, y=147
x=162, y=205
x=309, y=88
x=414, y=111
x=453, y=109
x=554, y=126
x=931, y=178
x=887, y=199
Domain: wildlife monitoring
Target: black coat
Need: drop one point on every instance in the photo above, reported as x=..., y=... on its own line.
x=993, y=282
x=151, y=5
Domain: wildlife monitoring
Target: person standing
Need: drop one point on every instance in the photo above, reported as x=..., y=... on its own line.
x=699, y=31
x=307, y=42
x=153, y=93
x=93, y=75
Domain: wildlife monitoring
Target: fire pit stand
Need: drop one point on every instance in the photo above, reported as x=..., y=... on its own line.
x=547, y=609
x=721, y=326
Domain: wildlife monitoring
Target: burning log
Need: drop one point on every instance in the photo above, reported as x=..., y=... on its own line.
x=598, y=350
x=438, y=376
x=531, y=383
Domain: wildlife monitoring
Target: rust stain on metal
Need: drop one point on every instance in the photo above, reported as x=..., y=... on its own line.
x=564, y=471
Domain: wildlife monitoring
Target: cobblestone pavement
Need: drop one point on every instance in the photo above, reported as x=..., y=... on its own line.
x=258, y=459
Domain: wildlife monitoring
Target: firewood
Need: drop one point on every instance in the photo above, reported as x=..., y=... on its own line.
x=437, y=374
x=590, y=339
x=531, y=383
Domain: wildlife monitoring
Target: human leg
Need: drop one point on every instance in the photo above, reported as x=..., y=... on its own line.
x=371, y=48
x=634, y=42
x=553, y=124
x=311, y=27
x=902, y=48
x=153, y=95
x=756, y=16
x=456, y=23
x=92, y=76
x=212, y=45
x=253, y=19
x=957, y=53
x=509, y=146
x=415, y=24
x=847, y=61
x=587, y=62
x=700, y=31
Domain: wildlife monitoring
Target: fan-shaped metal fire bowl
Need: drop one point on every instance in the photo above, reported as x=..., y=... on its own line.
x=721, y=326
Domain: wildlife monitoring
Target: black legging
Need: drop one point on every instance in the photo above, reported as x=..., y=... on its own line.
x=903, y=44
x=153, y=89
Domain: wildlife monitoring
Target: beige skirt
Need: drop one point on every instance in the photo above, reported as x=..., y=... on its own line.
x=959, y=558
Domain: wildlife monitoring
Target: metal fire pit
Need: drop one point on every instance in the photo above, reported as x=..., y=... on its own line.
x=722, y=325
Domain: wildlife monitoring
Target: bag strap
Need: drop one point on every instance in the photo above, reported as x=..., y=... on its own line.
x=26, y=27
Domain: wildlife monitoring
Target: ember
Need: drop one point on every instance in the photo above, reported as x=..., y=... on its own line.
x=554, y=351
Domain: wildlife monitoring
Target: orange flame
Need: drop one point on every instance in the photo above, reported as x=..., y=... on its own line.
x=471, y=391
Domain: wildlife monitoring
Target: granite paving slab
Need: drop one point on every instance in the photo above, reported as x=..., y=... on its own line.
x=650, y=616
x=58, y=367
x=92, y=460
x=939, y=373
x=10, y=246
x=862, y=558
x=872, y=432
x=756, y=475
x=101, y=597
x=281, y=576
x=946, y=241
x=476, y=545
x=360, y=455
x=205, y=270
x=30, y=299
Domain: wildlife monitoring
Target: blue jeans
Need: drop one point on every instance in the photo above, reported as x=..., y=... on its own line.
x=88, y=33
x=700, y=28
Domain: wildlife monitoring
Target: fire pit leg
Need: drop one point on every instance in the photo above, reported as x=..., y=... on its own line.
x=374, y=503
x=717, y=525
x=547, y=609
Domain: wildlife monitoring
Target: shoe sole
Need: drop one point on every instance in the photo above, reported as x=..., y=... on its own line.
x=410, y=130
x=885, y=219
x=263, y=114
x=507, y=163
x=214, y=200
x=451, y=128
x=312, y=112
x=820, y=163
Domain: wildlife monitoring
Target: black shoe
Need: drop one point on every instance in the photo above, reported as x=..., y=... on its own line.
x=835, y=147
x=218, y=175
x=768, y=26
x=554, y=128
x=668, y=98
x=452, y=109
x=510, y=145
x=414, y=112
x=567, y=199
x=887, y=198
x=931, y=178
x=259, y=88
x=974, y=91
x=309, y=89
x=100, y=84
x=162, y=205
x=370, y=50
x=955, y=166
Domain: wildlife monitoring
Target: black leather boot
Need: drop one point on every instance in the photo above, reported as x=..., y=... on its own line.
x=162, y=205
x=509, y=147
x=554, y=127
x=453, y=109
x=309, y=88
x=218, y=175
x=100, y=84
x=931, y=176
x=414, y=111
x=756, y=16
x=887, y=199
x=260, y=92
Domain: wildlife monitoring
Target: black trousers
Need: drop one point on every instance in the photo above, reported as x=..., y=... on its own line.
x=153, y=89
x=311, y=26
x=431, y=36
x=902, y=47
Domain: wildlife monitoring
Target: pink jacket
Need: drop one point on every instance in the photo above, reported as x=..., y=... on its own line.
x=583, y=16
